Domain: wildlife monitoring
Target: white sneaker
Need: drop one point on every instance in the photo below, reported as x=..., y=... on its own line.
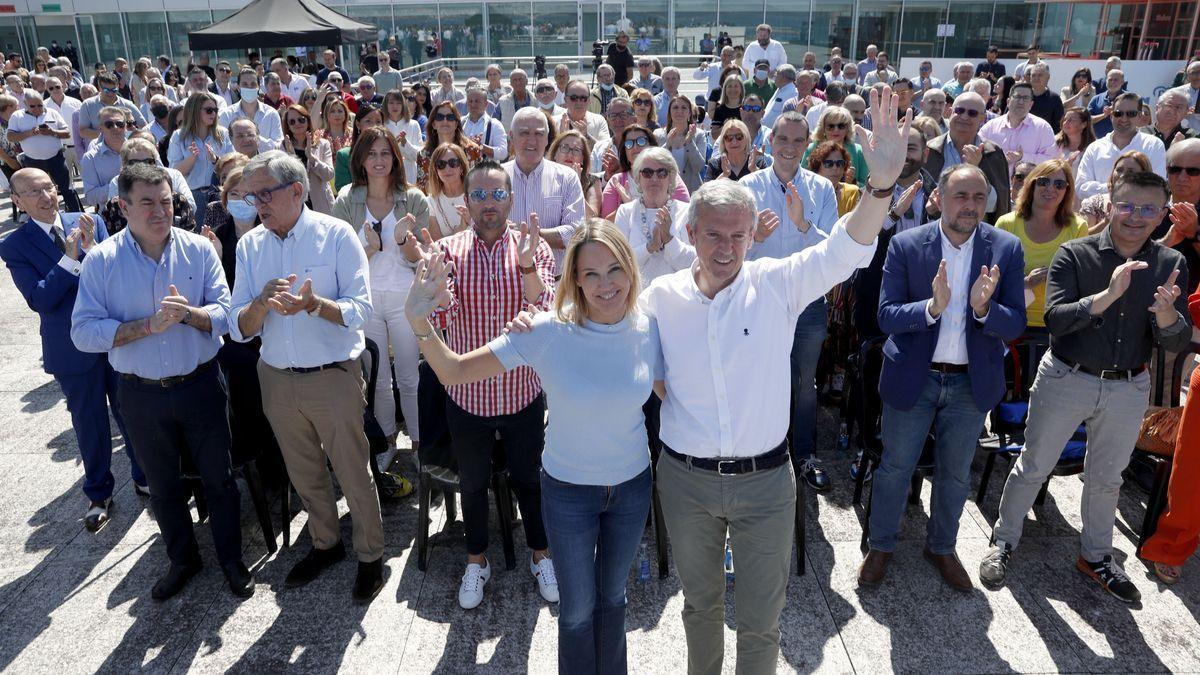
x=470, y=591
x=547, y=583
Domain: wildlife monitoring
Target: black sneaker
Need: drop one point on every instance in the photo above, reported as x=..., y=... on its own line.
x=369, y=581
x=814, y=475
x=311, y=565
x=854, y=468
x=994, y=567
x=1111, y=577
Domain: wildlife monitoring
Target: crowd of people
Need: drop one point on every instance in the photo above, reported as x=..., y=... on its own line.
x=675, y=283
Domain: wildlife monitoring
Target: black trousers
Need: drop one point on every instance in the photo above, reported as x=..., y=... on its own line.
x=473, y=439
x=166, y=423
x=248, y=424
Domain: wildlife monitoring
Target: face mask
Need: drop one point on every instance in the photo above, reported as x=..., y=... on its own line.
x=546, y=106
x=159, y=111
x=240, y=210
x=248, y=93
x=760, y=74
x=606, y=87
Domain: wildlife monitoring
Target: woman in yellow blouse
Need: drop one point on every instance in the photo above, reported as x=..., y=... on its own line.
x=830, y=160
x=1043, y=219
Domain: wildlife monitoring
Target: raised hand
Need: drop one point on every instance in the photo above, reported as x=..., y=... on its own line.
x=194, y=149
x=941, y=291
x=983, y=289
x=662, y=227
x=527, y=244
x=1163, y=307
x=402, y=138
x=1119, y=282
x=1036, y=277
x=522, y=322
x=73, y=244
x=287, y=145
x=211, y=236
x=464, y=217
x=287, y=303
x=906, y=198
x=1183, y=223
x=87, y=225
x=726, y=168
x=972, y=154
x=404, y=227
x=1014, y=156
x=611, y=162
x=884, y=149
x=768, y=222
x=430, y=288
x=212, y=154
x=795, y=208
x=623, y=193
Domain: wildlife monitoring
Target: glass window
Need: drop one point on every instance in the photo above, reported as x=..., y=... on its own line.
x=8, y=35
x=832, y=26
x=101, y=39
x=1015, y=27
x=741, y=19
x=693, y=19
x=557, y=31
x=509, y=28
x=180, y=23
x=417, y=26
x=1054, y=26
x=789, y=25
x=233, y=56
x=649, y=20
x=465, y=21
x=879, y=25
x=147, y=34
x=972, y=29
x=921, y=19
x=1084, y=34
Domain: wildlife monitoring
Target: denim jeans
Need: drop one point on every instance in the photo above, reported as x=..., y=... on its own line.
x=594, y=532
x=806, y=351
x=946, y=405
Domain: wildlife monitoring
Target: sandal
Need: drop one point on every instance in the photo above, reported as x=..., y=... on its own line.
x=1168, y=574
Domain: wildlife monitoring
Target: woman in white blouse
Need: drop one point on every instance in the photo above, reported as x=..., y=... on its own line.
x=654, y=223
x=397, y=117
x=388, y=213
x=447, y=191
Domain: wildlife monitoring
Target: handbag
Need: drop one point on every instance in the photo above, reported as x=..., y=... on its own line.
x=1159, y=430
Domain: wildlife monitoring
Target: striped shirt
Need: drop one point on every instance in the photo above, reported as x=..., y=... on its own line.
x=552, y=191
x=487, y=293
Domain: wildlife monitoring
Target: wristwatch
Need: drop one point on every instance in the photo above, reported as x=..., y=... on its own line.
x=187, y=316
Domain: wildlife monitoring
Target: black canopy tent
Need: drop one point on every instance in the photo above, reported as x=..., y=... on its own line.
x=282, y=23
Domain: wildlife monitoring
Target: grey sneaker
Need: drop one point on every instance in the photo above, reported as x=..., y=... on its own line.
x=994, y=566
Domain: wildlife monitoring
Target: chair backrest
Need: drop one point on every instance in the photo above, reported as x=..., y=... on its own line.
x=869, y=366
x=1175, y=369
x=369, y=362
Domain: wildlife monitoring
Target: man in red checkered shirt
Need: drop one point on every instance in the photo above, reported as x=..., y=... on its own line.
x=499, y=268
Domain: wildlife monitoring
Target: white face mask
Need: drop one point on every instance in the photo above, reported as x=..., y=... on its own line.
x=546, y=106
x=760, y=74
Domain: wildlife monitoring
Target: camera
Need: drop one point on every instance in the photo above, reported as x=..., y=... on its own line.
x=598, y=49
x=539, y=66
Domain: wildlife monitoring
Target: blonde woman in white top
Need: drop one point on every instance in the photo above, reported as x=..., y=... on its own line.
x=654, y=223
x=447, y=191
x=398, y=119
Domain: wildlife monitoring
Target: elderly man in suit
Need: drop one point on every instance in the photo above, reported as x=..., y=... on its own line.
x=45, y=256
x=952, y=296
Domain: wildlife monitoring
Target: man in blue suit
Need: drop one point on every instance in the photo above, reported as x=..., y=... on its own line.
x=952, y=296
x=44, y=256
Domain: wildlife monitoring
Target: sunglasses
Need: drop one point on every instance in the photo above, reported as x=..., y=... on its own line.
x=654, y=173
x=1145, y=211
x=443, y=117
x=224, y=70
x=297, y=120
x=114, y=124
x=840, y=126
x=1019, y=176
x=640, y=141
x=643, y=102
x=53, y=88
x=1058, y=183
x=209, y=110
x=1118, y=114
x=453, y=163
x=968, y=112
x=544, y=90
x=735, y=137
x=577, y=98
x=1192, y=171
x=752, y=108
x=497, y=195
x=410, y=99
x=833, y=163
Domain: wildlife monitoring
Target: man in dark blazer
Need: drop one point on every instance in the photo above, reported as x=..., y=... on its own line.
x=952, y=296
x=962, y=145
x=45, y=256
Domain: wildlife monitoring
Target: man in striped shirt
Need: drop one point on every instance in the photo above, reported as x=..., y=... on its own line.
x=499, y=269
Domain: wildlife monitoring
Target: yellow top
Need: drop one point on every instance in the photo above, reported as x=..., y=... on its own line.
x=848, y=198
x=1039, y=255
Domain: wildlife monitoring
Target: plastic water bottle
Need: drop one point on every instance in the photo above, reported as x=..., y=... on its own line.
x=843, y=439
x=643, y=564
x=728, y=566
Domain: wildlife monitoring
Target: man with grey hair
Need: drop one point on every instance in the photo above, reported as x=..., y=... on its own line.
x=482, y=128
x=273, y=95
x=41, y=132
x=606, y=90
x=1191, y=89
x=671, y=77
x=67, y=107
x=244, y=136
x=1047, y=104
x=293, y=85
x=544, y=93
x=541, y=188
x=963, y=72
x=302, y=286
x=646, y=78
x=367, y=92
x=785, y=90
x=1170, y=111
x=1101, y=105
x=727, y=326
x=515, y=97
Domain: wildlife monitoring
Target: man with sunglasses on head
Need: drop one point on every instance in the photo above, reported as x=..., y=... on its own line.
x=962, y=144
x=1022, y=136
x=88, y=118
x=499, y=269
x=102, y=162
x=540, y=187
x=1101, y=156
x=646, y=78
x=265, y=118
x=1110, y=299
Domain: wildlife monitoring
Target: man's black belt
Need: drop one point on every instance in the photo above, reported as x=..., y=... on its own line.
x=315, y=369
x=767, y=460
x=1103, y=373
x=949, y=368
x=168, y=382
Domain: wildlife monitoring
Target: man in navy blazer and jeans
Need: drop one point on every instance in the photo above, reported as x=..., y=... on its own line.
x=44, y=256
x=952, y=296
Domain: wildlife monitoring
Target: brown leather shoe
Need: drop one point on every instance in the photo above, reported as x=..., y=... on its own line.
x=873, y=568
x=951, y=570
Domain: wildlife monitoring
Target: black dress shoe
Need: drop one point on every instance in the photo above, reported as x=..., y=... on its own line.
x=97, y=515
x=142, y=491
x=814, y=475
x=313, y=564
x=174, y=580
x=369, y=581
x=241, y=582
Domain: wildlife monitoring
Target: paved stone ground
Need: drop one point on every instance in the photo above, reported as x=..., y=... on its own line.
x=72, y=602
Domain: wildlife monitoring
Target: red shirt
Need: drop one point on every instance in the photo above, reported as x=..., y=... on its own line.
x=488, y=292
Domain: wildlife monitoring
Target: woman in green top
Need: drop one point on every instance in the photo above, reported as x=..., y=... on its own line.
x=1043, y=219
x=837, y=125
x=368, y=115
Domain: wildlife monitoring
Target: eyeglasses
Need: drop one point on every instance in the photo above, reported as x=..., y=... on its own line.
x=106, y=90
x=840, y=126
x=968, y=112
x=833, y=163
x=578, y=98
x=366, y=86
x=1020, y=97
x=1144, y=211
x=640, y=141
x=1118, y=114
x=264, y=196
x=114, y=124
x=297, y=120
x=410, y=99
x=643, y=102
x=53, y=88
x=497, y=195
x=1058, y=183
x=654, y=173
x=452, y=162
x=38, y=192
x=1019, y=176
x=752, y=108
x=1192, y=171
x=735, y=137
x=443, y=117
x=224, y=70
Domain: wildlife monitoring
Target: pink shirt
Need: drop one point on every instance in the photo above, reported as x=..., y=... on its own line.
x=1033, y=137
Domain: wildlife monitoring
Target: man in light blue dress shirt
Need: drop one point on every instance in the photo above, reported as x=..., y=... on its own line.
x=807, y=207
x=154, y=297
x=303, y=287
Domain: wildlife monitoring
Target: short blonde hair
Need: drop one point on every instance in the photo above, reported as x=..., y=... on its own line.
x=834, y=114
x=133, y=145
x=570, y=304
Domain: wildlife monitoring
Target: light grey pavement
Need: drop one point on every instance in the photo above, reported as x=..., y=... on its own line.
x=73, y=602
